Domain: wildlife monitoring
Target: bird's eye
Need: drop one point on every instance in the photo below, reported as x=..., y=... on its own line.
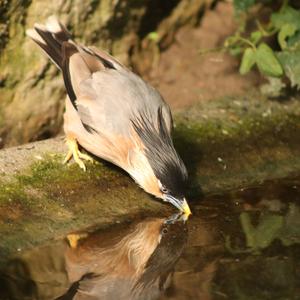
x=164, y=231
x=164, y=190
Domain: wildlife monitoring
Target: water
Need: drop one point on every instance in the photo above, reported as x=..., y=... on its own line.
x=240, y=245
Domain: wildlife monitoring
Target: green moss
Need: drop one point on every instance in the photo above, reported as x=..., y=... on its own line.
x=11, y=193
x=235, y=119
x=226, y=145
x=47, y=171
x=65, y=184
x=218, y=131
x=50, y=199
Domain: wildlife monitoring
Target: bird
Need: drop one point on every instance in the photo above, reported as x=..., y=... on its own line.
x=135, y=264
x=115, y=115
x=130, y=260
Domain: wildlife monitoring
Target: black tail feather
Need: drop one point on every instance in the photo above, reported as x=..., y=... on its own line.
x=67, y=51
x=56, y=41
x=52, y=46
x=51, y=38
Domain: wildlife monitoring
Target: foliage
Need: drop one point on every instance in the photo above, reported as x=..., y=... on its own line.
x=278, y=63
x=270, y=226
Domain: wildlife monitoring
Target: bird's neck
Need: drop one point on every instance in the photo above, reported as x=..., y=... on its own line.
x=141, y=171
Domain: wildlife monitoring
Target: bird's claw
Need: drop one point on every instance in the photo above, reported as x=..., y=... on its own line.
x=74, y=238
x=85, y=157
x=76, y=154
x=80, y=163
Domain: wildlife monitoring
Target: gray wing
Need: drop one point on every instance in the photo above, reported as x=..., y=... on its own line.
x=110, y=99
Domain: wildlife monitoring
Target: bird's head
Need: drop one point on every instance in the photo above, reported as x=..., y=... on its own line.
x=174, y=197
x=166, y=175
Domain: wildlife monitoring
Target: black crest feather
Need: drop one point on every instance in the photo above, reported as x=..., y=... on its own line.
x=160, y=152
x=162, y=261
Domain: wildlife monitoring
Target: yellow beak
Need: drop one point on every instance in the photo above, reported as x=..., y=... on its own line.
x=181, y=204
x=186, y=209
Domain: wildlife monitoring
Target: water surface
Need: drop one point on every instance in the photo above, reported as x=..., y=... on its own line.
x=242, y=244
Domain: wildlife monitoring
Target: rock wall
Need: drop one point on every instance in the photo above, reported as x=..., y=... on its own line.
x=31, y=88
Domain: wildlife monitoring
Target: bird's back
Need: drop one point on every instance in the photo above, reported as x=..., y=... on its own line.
x=116, y=98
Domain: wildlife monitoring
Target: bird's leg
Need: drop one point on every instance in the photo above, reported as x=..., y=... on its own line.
x=74, y=238
x=76, y=154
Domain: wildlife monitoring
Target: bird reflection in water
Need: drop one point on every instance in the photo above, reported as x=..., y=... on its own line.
x=136, y=264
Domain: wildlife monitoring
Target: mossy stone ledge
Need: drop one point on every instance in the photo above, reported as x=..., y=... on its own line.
x=227, y=144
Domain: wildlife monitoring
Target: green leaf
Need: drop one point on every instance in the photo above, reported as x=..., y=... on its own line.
x=248, y=61
x=262, y=235
x=153, y=36
x=231, y=41
x=290, y=61
x=234, y=51
x=287, y=15
x=290, y=233
x=293, y=43
x=287, y=30
x=242, y=5
x=248, y=229
x=255, y=37
x=267, y=230
x=267, y=62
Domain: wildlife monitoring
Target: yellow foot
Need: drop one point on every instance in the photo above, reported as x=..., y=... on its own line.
x=76, y=154
x=74, y=238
